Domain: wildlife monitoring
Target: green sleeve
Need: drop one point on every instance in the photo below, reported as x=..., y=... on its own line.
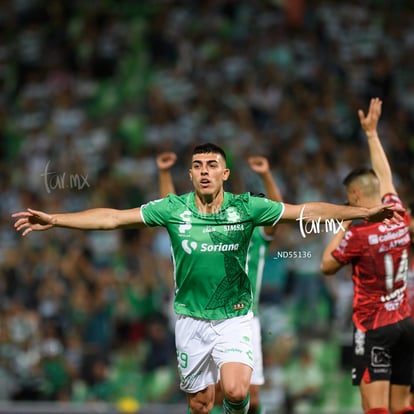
x=265, y=212
x=157, y=212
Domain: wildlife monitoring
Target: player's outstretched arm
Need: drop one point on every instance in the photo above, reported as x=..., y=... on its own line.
x=260, y=166
x=379, y=160
x=93, y=219
x=321, y=212
x=165, y=161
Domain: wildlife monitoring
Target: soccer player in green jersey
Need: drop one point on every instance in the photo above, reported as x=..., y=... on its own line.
x=210, y=230
x=261, y=238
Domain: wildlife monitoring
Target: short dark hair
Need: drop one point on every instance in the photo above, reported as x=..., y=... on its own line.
x=209, y=148
x=357, y=172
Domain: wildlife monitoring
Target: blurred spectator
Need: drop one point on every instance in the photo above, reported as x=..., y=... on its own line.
x=55, y=371
x=101, y=386
x=303, y=380
x=159, y=362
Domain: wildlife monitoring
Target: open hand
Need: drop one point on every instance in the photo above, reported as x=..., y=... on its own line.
x=369, y=122
x=32, y=220
x=389, y=213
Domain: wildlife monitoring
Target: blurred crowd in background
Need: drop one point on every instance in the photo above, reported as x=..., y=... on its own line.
x=92, y=91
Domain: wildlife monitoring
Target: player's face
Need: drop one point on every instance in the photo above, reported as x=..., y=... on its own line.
x=208, y=172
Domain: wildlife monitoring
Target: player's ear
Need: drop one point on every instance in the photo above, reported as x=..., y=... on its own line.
x=190, y=175
x=354, y=198
x=226, y=174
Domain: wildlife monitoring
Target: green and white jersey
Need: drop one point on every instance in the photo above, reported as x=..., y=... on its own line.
x=256, y=258
x=209, y=251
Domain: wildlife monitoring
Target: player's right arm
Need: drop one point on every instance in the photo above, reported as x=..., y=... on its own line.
x=329, y=264
x=379, y=160
x=165, y=161
x=92, y=219
x=320, y=212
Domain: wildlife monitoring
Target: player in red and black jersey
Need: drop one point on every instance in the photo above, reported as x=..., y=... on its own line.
x=410, y=283
x=410, y=274
x=383, y=340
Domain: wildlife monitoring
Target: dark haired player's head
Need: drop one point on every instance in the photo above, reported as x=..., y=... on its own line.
x=208, y=171
x=209, y=148
x=362, y=188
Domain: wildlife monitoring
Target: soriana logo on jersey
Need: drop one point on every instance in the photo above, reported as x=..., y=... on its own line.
x=190, y=247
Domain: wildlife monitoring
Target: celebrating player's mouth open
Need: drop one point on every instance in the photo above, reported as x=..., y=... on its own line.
x=208, y=172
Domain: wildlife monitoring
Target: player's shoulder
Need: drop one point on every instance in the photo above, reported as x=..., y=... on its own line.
x=393, y=198
x=361, y=230
x=244, y=197
x=179, y=198
x=170, y=201
x=180, y=202
x=232, y=200
x=250, y=197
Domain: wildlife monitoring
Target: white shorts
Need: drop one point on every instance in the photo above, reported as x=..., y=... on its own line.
x=257, y=374
x=203, y=346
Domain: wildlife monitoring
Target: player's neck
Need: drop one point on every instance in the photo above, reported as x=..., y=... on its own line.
x=209, y=204
x=367, y=202
x=371, y=202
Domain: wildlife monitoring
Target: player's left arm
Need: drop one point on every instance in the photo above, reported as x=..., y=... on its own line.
x=379, y=160
x=260, y=165
x=165, y=161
